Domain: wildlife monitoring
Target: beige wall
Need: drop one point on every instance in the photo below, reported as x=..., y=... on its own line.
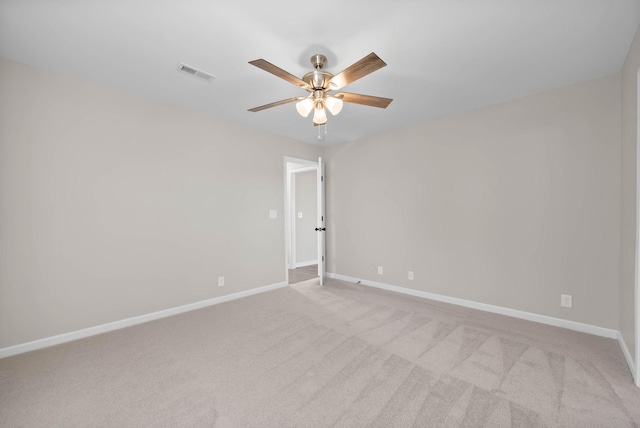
x=113, y=206
x=628, y=219
x=510, y=205
x=306, y=203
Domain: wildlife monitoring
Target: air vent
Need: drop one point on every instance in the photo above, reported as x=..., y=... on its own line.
x=192, y=71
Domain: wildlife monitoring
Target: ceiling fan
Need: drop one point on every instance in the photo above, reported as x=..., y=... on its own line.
x=320, y=83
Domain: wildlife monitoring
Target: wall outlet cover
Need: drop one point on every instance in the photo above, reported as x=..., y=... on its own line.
x=380, y=270
x=566, y=300
x=410, y=275
x=221, y=281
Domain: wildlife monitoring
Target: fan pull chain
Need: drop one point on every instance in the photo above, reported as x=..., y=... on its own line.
x=322, y=132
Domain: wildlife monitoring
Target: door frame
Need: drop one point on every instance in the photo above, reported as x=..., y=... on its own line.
x=289, y=207
x=321, y=220
x=636, y=374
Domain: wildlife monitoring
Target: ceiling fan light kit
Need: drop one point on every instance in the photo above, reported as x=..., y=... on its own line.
x=304, y=106
x=319, y=83
x=319, y=115
x=334, y=104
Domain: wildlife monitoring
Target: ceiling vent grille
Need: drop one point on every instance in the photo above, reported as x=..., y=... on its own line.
x=192, y=71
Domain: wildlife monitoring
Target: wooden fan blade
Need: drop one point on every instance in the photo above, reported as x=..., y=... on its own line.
x=366, y=100
x=366, y=65
x=277, y=71
x=277, y=103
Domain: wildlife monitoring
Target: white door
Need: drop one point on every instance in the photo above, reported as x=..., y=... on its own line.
x=321, y=229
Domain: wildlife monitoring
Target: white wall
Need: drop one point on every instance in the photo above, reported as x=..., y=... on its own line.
x=306, y=203
x=113, y=206
x=629, y=199
x=509, y=205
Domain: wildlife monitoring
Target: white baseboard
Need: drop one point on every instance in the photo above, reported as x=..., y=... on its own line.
x=627, y=355
x=128, y=322
x=557, y=322
x=309, y=263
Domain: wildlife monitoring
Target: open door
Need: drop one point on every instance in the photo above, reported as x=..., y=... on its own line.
x=321, y=223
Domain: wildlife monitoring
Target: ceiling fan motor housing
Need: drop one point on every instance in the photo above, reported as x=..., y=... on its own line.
x=317, y=79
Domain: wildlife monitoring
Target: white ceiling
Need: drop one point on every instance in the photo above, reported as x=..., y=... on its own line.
x=443, y=56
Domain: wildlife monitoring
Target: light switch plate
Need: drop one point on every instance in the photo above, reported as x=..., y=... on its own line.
x=300, y=214
x=273, y=214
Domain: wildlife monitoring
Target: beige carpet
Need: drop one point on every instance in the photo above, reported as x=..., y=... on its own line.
x=303, y=274
x=308, y=356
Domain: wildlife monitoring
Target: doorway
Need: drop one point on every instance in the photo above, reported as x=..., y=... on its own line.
x=300, y=220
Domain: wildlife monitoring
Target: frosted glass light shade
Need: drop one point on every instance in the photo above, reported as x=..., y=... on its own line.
x=319, y=115
x=334, y=105
x=304, y=107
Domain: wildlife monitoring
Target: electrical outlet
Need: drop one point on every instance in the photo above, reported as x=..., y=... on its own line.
x=410, y=275
x=221, y=281
x=379, y=270
x=565, y=300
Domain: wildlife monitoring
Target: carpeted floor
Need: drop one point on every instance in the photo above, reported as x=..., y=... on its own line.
x=308, y=356
x=303, y=274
